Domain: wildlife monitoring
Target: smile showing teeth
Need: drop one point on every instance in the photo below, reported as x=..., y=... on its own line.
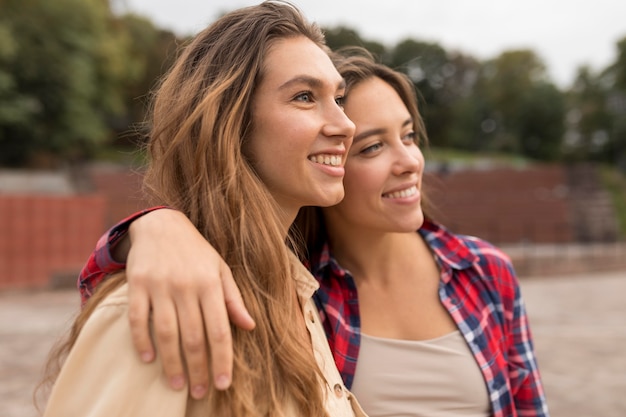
x=332, y=160
x=402, y=194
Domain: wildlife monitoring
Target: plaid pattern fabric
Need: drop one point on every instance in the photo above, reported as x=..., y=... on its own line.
x=479, y=289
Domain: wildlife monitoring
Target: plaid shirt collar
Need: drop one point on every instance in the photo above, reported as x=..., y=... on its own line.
x=450, y=252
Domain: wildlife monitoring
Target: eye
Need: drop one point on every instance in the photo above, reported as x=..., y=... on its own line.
x=305, y=97
x=409, y=137
x=371, y=149
x=340, y=100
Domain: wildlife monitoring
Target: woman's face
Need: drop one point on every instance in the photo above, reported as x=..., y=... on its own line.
x=300, y=133
x=384, y=166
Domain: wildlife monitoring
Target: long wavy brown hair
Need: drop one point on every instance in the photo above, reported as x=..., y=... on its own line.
x=201, y=120
x=356, y=64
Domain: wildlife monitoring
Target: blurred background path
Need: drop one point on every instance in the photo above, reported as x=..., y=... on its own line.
x=578, y=321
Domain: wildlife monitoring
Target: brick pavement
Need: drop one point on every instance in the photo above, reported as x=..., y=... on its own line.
x=578, y=323
x=579, y=328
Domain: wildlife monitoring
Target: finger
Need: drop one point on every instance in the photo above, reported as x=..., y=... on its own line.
x=219, y=335
x=235, y=306
x=138, y=316
x=165, y=325
x=194, y=345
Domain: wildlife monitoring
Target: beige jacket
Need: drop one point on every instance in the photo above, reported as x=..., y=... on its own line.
x=104, y=377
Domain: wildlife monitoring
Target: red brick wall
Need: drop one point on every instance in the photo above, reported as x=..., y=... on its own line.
x=504, y=205
x=46, y=237
x=122, y=189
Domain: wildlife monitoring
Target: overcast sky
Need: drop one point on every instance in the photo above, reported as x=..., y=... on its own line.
x=565, y=33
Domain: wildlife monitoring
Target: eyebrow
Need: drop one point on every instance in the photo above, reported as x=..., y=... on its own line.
x=310, y=81
x=372, y=132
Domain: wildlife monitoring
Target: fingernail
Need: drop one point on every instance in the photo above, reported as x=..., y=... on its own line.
x=198, y=391
x=146, y=356
x=177, y=382
x=222, y=382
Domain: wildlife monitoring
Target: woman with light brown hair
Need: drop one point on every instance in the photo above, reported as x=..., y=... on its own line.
x=246, y=128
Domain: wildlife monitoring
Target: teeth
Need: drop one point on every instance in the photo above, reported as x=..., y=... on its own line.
x=333, y=160
x=403, y=193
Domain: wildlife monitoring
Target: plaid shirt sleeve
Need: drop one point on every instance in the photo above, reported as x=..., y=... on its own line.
x=525, y=396
x=100, y=263
x=524, y=375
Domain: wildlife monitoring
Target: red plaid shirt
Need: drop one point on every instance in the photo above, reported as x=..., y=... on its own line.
x=478, y=287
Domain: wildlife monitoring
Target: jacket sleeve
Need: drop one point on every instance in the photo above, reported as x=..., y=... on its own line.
x=526, y=386
x=103, y=376
x=100, y=263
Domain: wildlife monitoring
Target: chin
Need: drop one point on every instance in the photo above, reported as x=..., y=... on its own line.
x=413, y=224
x=331, y=198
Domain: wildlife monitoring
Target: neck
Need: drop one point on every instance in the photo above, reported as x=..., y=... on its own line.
x=286, y=218
x=371, y=256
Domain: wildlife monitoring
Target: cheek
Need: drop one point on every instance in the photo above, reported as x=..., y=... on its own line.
x=420, y=157
x=359, y=182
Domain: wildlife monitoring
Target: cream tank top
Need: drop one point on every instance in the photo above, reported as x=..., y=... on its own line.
x=435, y=378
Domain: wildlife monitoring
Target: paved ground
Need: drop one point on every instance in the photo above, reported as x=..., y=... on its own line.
x=579, y=327
x=579, y=324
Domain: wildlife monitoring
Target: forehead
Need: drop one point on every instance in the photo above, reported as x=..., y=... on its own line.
x=371, y=97
x=297, y=57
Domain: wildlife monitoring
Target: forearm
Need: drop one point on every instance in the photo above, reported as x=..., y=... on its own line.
x=109, y=255
x=529, y=395
x=180, y=280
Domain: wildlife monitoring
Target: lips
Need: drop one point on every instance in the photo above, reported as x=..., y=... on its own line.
x=407, y=192
x=326, y=159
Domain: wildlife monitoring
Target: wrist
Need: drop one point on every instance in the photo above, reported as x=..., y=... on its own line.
x=120, y=237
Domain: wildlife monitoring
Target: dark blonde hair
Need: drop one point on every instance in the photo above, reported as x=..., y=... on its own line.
x=201, y=120
x=356, y=64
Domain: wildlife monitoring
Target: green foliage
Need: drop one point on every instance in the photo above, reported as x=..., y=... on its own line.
x=597, y=114
x=341, y=36
x=65, y=88
x=519, y=110
x=54, y=77
x=540, y=122
x=15, y=107
x=428, y=65
x=618, y=69
x=75, y=79
x=588, y=117
x=153, y=51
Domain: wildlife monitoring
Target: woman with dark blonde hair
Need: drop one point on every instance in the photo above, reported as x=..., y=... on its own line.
x=246, y=128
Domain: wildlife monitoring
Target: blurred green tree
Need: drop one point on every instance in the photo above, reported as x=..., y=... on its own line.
x=428, y=66
x=597, y=113
x=615, y=81
x=540, y=122
x=154, y=51
x=340, y=36
x=588, y=119
x=73, y=76
x=523, y=111
x=62, y=82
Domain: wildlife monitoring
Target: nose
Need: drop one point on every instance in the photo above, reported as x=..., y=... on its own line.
x=338, y=124
x=407, y=159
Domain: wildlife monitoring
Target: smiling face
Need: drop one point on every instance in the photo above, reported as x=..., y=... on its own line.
x=300, y=133
x=384, y=167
